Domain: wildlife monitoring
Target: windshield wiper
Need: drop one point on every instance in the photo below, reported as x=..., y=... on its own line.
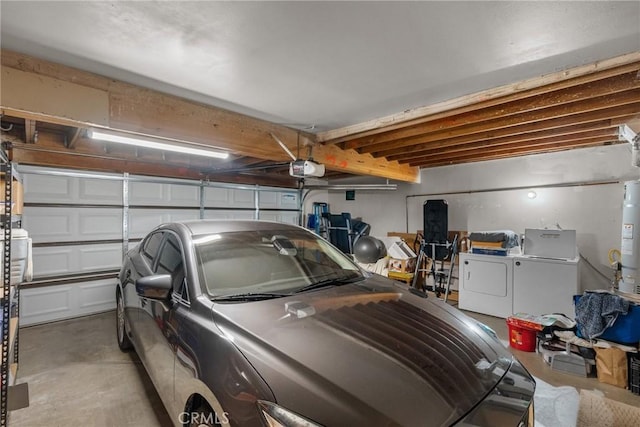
x=328, y=282
x=248, y=297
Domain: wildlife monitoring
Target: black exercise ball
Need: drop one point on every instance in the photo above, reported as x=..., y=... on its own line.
x=368, y=250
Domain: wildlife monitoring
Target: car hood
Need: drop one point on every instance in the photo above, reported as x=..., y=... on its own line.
x=369, y=353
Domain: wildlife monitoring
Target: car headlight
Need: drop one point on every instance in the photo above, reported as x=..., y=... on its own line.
x=276, y=416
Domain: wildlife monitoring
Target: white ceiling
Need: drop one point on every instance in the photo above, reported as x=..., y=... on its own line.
x=322, y=64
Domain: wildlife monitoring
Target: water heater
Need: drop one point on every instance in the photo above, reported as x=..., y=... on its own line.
x=630, y=247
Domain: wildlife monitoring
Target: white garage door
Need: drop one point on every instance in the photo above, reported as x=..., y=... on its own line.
x=81, y=224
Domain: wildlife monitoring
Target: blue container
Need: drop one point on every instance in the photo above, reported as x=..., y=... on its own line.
x=626, y=329
x=489, y=251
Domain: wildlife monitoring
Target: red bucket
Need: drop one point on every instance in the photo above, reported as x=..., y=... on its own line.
x=520, y=338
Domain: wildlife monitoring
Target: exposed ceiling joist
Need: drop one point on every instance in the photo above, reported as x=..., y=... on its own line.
x=121, y=106
x=72, y=138
x=495, y=96
x=555, y=104
x=572, y=109
x=30, y=131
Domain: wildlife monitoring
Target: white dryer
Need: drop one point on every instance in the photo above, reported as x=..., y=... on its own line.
x=486, y=284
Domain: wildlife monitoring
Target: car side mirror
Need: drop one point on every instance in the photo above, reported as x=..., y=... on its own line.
x=154, y=287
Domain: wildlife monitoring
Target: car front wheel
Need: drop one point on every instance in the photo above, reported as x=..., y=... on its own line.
x=123, y=340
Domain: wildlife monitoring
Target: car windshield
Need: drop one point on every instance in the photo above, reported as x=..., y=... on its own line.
x=269, y=263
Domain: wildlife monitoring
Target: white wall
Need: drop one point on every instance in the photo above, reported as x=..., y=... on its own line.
x=595, y=211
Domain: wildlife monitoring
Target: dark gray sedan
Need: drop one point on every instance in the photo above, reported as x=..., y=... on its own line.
x=250, y=323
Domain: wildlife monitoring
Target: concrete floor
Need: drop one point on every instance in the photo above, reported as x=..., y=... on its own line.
x=78, y=377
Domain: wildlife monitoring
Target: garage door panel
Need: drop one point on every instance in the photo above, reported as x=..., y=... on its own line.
x=216, y=197
x=41, y=305
x=142, y=221
x=103, y=226
x=160, y=194
x=269, y=216
x=219, y=197
x=99, y=257
x=289, y=218
x=44, y=188
x=285, y=217
x=64, y=224
x=278, y=200
x=47, y=224
x=229, y=214
x=100, y=294
x=76, y=222
x=100, y=191
x=52, y=261
x=268, y=200
x=66, y=189
x=183, y=216
x=143, y=193
x=242, y=198
x=183, y=195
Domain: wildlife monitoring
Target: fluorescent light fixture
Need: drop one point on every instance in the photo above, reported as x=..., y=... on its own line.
x=140, y=141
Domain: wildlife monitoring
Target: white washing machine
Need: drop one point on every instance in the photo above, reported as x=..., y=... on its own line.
x=486, y=284
x=545, y=285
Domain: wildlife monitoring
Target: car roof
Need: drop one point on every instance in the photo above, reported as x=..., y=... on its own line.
x=207, y=226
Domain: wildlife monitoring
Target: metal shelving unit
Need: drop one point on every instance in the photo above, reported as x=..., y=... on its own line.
x=11, y=396
x=9, y=327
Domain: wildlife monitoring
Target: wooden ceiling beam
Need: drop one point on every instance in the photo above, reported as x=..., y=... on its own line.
x=514, y=150
x=71, y=139
x=534, y=117
x=98, y=156
x=30, y=155
x=487, y=98
x=497, y=129
x=245, y=161
x=610, y=86
x=481, y=147
x=67, y=94
x=570, y=141
x=30, y=132
x=508, y=155
x=523, y=137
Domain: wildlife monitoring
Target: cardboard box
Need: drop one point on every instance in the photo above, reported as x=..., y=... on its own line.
x=611, y=366
x=17, y=191
x=402, y=259
x=402, y=265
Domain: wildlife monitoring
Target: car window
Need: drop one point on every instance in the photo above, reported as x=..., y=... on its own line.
x=151, y=246
x=170, y=262
x=268, y=261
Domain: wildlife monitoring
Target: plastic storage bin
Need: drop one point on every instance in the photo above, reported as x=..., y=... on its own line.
x=626, y=329
x=521, y=338
x=20, y=256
